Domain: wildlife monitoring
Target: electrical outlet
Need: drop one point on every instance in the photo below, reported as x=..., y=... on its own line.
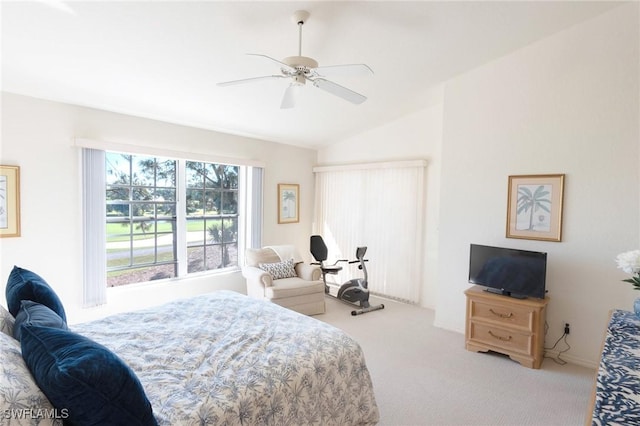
x=567, y=329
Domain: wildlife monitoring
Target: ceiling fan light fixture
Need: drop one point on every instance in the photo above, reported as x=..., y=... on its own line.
x=298, y=80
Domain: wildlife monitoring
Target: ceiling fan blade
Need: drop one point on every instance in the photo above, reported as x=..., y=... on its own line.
x=290, y=96
x=340, y=91
x=282, y=64
x=248, y=80
x=344, y=70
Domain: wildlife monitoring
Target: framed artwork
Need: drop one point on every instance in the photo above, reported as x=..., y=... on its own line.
x=9, y=201
x=534, y=207
x=288, y=203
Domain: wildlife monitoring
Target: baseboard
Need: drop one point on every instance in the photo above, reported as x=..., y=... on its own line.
x=571, y=359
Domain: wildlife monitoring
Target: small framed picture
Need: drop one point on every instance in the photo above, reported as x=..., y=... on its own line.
x=9, y=201
x=288, y=203
x=534, y=207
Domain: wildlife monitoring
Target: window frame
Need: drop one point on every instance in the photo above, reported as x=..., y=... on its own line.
x=250, y=211
x=222, y=216
x=181, y=246
x=130, y=187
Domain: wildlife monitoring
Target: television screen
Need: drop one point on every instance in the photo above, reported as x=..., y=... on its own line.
x=512, y=272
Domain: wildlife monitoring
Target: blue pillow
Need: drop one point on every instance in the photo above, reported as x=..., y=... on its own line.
x=32, y=313
x=27, y=285
x=88, y=380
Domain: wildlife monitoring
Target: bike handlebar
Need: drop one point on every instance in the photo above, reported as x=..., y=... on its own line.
x=342, y=260
x=333, y=264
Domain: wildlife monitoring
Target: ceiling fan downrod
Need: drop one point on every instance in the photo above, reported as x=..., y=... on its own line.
x=300, y=24
x=301, y=64
x=299, y=17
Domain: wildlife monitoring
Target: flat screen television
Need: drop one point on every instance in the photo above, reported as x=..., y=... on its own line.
x=512, y=272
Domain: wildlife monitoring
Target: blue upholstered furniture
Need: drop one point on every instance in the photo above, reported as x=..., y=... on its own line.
x=616, y=398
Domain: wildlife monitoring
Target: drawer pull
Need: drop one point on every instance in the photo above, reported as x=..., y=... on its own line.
x=498, y=314
x=504, y=339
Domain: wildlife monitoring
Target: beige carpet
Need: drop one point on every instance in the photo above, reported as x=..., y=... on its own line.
x=424, y=376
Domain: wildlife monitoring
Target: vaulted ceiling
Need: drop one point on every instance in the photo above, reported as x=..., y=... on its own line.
x=162, y=59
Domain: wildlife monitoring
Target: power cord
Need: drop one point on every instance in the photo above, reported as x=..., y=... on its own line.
x=557, y=359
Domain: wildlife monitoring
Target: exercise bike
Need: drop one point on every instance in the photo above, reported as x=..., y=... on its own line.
x=354, y=291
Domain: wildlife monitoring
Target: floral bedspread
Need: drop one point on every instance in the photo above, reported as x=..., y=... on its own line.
x=617, y=399
x=226, y=359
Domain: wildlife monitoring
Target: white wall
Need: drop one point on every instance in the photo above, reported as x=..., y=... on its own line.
x=416, y=136
x=38, y=136
x=567, y=104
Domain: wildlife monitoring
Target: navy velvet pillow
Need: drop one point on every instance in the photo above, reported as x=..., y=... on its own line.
x=85, y=378
x=32, y=313
x=27, y=285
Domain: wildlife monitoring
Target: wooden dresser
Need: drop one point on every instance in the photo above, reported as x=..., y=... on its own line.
x=503, y=324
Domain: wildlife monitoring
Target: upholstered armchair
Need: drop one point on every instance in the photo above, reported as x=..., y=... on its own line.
x=278, y=274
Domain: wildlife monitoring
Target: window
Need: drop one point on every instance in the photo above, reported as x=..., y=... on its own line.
x=166, y=217
x=141, y=223
x=212, y=216
x=143, y=227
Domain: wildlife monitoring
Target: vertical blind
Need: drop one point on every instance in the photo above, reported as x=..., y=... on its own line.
x=94, y=232
x=380, y=206
x=255, y=206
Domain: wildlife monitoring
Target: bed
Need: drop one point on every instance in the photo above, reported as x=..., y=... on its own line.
x=224, y=359
x=615, y=399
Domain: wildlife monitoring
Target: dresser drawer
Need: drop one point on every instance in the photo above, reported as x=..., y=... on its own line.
x=508, y=316
x=500, y=338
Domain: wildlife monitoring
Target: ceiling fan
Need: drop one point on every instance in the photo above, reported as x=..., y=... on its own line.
x=300, y=69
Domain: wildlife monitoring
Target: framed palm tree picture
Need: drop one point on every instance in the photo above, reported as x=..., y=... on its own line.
x=9, y=201
x=288, y=203
x=534, y=207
